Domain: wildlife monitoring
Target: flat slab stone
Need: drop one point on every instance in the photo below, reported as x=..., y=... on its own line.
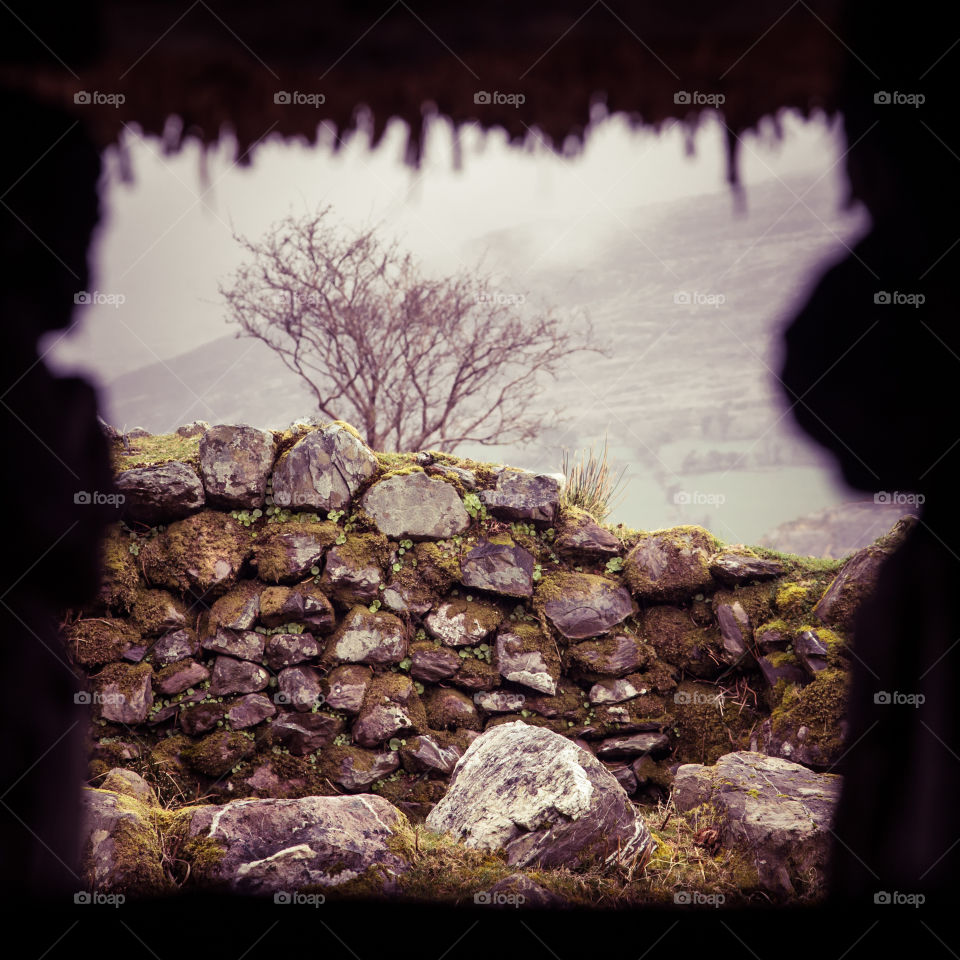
x=417, y=507
x=160, y=493
x=235, y=463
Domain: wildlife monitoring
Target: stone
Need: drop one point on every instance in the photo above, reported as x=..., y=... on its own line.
x=460, y=623
x=433, y=664
x=305, y=733
x=95, y=641
x=237, y=609
x=356, y=769
x=250, y=710
x=670, y=565
x=201, y=718
x=352, y=572
x=157, y=611
x=346, y=686
x=286, y=649
x=635, y=745
x=124, y=692
x=305, y=604
x=424, y=754
x=582, y=605
x=811, y=651
x=416, y=507
x=179, y=676
x=390, y=708
x=300, y=688
x=237, y=676
x=614, y=656
x=476, y=674
x=733, y=568
x=242, y=644
x=235, y=464
x=612, y=691
x=500, y=701
x=581, y=537
x=518, y=890
x=625, y=777
x=280, y=846
x=323, y=470
x=525, y=656
x=542, y=800
x=366, y=637
x=679, y=640
x=734, y=630
x=450, y=709
x=193, y=429
x=777, y=813
x=780, y=665
x=176, y=645
x=288, y=552
x=523, y=496
x=499, y=566
x=160, y=492
x=202, y=554
x=131, y=784
x=119, y=844
x=218, y=753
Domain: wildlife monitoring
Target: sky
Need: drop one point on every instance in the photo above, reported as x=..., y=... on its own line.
x=166, y=237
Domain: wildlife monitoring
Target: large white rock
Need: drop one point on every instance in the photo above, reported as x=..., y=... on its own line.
x=542, y=799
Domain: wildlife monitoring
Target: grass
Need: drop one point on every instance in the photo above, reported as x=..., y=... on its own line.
x=157, y=448
x=590, y=484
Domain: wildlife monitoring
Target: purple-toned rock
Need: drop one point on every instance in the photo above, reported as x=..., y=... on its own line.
x=346, y=686
x=635, y=745
x=202, y=718
x=424, y=754
x=670, y=565
x=356, y=769
x=525, y=656
x=390, y=708
x=237, y=676
x=583, y=605
x=614, y=656
x=179, y=676
x=235, y=463
x=366, y=637
x=125, y=692
x=523, y=496
x=433, y=664
x=417, y=507
x=733, y=568
x=238, y=609
x=304, y=733
x=300, y=688
x=450, y=709
x=250, y=710
x=160, y=493
x=286, y=649
x=499, y=566
x=176, y=645
x=244, y=645
x=458, y=623
x=734, y=630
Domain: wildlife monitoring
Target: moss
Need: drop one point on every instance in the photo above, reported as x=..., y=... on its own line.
x=820, y=706
x=836, y=645
x=120, y=574
x=348, y=427
x=271, y=549
x=672, y=633
x=403, y=471
x=488, y=615
x=704, y=732
x=157, y=448
x=672, y=564
x=796, y=566
x=782, y=658
x=437, y=568
x=218, y=753
x=229, y=607
x=95, y=642
x=364, y=550
x=153, y=611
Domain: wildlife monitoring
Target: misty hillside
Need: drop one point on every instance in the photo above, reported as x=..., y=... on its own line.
x=689, y=300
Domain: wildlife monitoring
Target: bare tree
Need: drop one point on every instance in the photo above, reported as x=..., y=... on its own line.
x=414, y=362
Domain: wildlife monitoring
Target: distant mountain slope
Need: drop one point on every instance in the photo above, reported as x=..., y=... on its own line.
x=836, y=531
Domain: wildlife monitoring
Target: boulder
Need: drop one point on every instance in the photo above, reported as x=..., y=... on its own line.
x=250, y=710
x=580, y=536
x=300, y=688
x=202, y=554
x=416, y=507
x=670, y=565
x=500, y=566
x=459, y=623
x=242, y=644
x=160, y=493
x=433, y=663
x=174, y=646
x=583, y=605
x=237, y=609
x=523, y=496
x=305, y=603
x=280, y=846
x=324, y=470
x=353, y=571
x=235, y=463
x=541, y=799
x=366, y=637
x=125, y=692
x=776, y=813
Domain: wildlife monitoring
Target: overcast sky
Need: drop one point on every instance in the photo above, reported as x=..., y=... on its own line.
x=165, y=239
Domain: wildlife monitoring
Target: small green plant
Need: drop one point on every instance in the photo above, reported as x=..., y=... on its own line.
x=474, y=507
x=614, y=564
x=589, y=483
x=374, y=605
x=537, y=571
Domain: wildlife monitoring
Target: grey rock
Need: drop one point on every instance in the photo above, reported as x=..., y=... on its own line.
x=305, y=733
x=417, y=507
x=523, y=496
x=503, y=568
x=125, y=693
x=346, y=686
x=323, y=471
x=635, y=745
x=283, y=845
x=160, y=493
x=193, y=429
x=811, y=651
x=237, y=676
x=615, y=656
x=286, y=649
x=585, y=605
x=776, y=812
x=250, y=710
x=242, y=644
x=176, y=645
x=348, y=580
x=732, y=568
x=734, y=630
x=525, y=658
x=500, y=701
x=235, y=463
x=541, y=799
x=612, y=691
x=300, y=688
x=423, y=754
x=366, y=637
x=356, y=769
x=390, y=708
x=459, y=624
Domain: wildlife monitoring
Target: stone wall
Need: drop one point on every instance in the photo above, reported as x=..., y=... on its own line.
x=290, y=614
